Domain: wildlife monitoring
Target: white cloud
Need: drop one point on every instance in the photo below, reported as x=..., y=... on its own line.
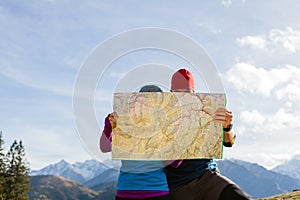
x=226, y=3
x=281, y=81
x=282, y=120
x=252, y=117
x=288, y=38
x=245, y=76
x=269, y=123
x=256, y=42
x=291, y=91
x=278, y=39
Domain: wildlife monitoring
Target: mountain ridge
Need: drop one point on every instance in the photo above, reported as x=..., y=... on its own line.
x=290, y=167
x=79, y=171
x=57, y=187
x=254, y=179
x=257, y=180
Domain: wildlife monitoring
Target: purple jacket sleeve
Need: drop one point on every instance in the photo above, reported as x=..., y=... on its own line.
x=106, y=137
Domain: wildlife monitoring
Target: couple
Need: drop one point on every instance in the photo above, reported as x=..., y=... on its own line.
x=190, y=179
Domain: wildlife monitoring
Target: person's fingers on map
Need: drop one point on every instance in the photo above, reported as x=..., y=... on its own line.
x=228, y=118
x=113, y=119
x=228, y=121
x=115, y=115
x=223, y=116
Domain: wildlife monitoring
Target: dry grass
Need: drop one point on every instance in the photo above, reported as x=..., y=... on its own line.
x=293, y=195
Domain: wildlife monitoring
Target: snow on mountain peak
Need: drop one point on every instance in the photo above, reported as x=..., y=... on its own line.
x=89, y=168
x=62, y=164
x=86, y=170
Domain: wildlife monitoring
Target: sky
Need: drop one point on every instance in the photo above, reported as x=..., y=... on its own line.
x=254, y=45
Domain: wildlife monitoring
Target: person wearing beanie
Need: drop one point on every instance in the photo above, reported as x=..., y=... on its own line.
x=137, y=179
x=182, y=80
x=195, y=179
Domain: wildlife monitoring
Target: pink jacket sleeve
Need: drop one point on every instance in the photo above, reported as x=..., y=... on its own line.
x=106, y=137
x=105, y=143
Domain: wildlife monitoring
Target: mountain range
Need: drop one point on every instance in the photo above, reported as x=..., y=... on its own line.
x=290, y=167
x=100, y=179
x=256, y=180
x=80, y=172
x=89, y=180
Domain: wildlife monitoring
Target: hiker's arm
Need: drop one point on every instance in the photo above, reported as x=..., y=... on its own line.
x=224, y=117
x=229, y=138
x=106, y=137
x=105, y=142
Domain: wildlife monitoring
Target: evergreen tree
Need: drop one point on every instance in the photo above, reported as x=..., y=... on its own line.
x=2, y=168
x=17, y=176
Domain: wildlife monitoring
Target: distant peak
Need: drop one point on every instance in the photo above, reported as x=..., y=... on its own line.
x=63, y=162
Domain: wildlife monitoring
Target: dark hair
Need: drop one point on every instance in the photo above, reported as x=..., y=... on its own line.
x=150, y=88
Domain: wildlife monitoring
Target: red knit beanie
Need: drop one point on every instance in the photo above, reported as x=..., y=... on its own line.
x=182, y=79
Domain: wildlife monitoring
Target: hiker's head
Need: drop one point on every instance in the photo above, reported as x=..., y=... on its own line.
x=150, y=88
x=182, y=81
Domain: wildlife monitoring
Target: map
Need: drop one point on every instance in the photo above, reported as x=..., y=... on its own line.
x=167, y=126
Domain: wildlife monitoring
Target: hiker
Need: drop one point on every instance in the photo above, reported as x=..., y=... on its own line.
x=196, y=179
x=137, y=179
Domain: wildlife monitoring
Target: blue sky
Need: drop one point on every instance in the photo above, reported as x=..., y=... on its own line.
x=254, y=45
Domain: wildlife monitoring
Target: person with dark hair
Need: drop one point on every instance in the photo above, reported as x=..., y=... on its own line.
x=137, y=179
x=199, y=179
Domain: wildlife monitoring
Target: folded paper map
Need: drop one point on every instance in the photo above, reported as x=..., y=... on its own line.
x=167, y=126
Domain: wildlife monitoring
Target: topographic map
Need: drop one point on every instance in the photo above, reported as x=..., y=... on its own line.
x=167, y=126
